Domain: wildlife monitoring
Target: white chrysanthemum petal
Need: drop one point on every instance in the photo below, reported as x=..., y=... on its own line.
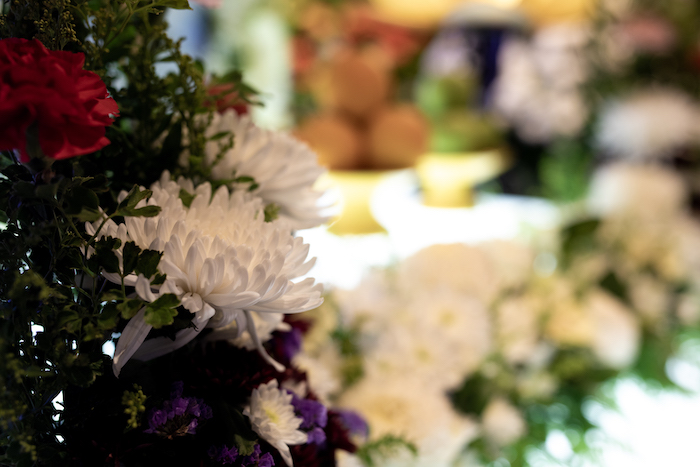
x=284, y=169
x=220, y=258
x=131, y=339
x=154, y=348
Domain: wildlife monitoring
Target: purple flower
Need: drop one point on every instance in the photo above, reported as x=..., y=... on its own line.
x=257, y=459
x=354, y=422
x=266, y=460
x=313, y=413
x=178, y=416
x=291, y=343
x=316, y=436
x=224, y=454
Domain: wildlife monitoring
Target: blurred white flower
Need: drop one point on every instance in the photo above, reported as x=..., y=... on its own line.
x=370, y=303
x=502, y=423
x=409, y=407
x=648, y=125
x=688, y=309
x=222, y=260
x=271, y=415
x=617, y=332
x=537, y=88
x=650, y=297
x=322, y=369
x=460, y=267
x=646, y=192
x=345, y=459
x=512, y=260
x=517, y=327
x=284, y=169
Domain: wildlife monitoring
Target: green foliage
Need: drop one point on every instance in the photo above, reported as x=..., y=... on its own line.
x=162, y=311
x=56, y=309
x=272, y=212
x=372, y=453
x=566, y=170
x=352, y=368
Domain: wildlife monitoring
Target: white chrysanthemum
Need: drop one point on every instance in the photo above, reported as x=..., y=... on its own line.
x=461, y=267
x=272, y=417
x=502, y=423
x=441, y=335
x=649, y=125
x=410, y=408
x=640, y=191
x=284, y=168
x=222, y=260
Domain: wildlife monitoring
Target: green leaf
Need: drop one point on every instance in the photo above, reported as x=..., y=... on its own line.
x=186, y=197
x=109, y=316
x=373, y=452
x=162, y=311
x=272, y=212
x=176, y=4
x=24, y=189
x=81, y=199
x=244, y=179
x=131, y=256
x=104, y=254
x=65, y=317
x=158, y=279
x=133, y=198
x=148, y=262
x=146, y=211
x=89, y=215
x=245, y=446
x=129, y=308
x=47, y=192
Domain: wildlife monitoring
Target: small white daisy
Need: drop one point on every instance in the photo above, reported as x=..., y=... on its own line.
x=284, y=168
x=222, y=260
x=272, y=417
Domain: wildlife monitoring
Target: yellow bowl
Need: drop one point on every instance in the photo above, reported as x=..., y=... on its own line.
x=448, y=179
x=354, y=190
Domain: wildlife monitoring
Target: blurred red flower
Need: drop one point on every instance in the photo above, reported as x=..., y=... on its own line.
x=47, y=94
x=224, y=96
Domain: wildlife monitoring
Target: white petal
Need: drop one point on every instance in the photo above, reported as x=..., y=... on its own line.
x=132, y=337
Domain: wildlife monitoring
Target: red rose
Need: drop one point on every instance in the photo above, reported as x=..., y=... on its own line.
x=69, y=106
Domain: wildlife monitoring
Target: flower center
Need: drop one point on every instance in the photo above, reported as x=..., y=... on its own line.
x=272, y=415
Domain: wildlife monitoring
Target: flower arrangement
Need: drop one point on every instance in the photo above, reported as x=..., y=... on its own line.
x=149, y=261
x=476, y=353
x=620, y=86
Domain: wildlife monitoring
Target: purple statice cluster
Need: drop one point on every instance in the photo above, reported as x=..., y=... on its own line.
x=314, y=417
x=225, y=455
x=354, y=423
x=179, y=415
